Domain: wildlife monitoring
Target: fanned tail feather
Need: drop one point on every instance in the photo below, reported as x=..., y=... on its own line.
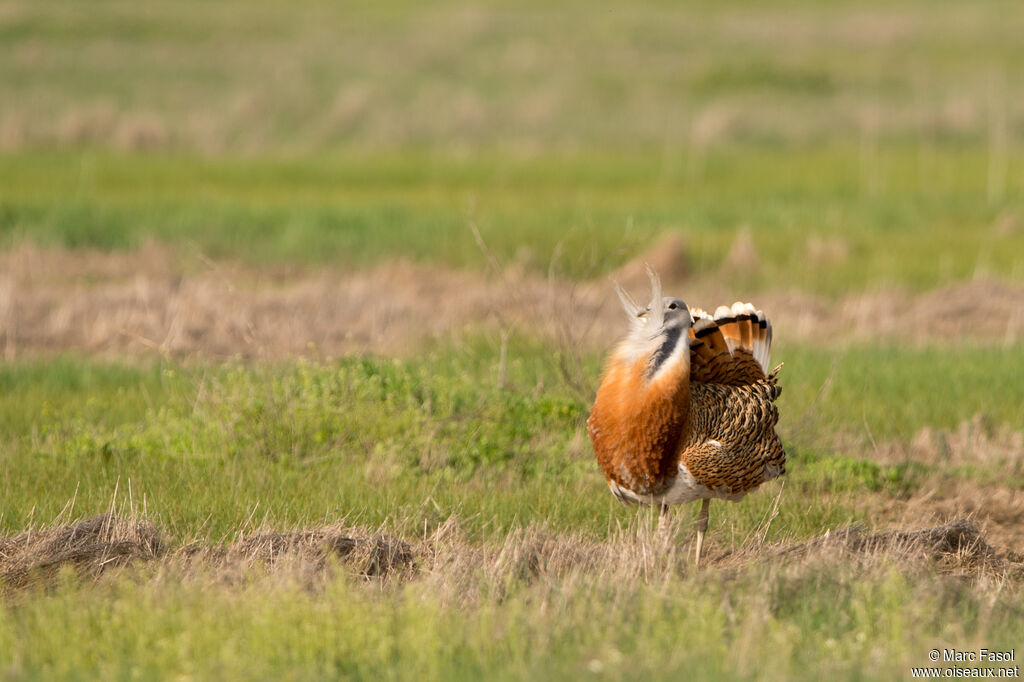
x=732, y=346
x=699, y=314
x=746, y=327
x=763, y=346
x=744, y=314
x=727, y=323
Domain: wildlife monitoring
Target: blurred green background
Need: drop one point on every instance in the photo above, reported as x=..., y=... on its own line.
x=348, y=133
x=524, y=78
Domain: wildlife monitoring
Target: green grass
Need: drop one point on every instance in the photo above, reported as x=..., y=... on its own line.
x=580, y=216
x=887, y=392
x=763, y=624
x=373, y=439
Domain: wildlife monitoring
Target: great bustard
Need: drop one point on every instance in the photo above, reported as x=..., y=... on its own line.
x=686, y=409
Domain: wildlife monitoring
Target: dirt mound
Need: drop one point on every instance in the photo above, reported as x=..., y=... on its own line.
x=959, y=539
x=91, y=546
x=96, y=544
x=668, y=256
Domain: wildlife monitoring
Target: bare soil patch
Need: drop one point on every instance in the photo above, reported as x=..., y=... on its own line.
x=151, y=300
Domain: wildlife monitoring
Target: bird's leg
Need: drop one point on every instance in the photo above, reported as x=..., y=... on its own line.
x=702, y=527
x=664, y=521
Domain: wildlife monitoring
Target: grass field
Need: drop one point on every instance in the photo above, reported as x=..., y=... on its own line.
x=303, y=306
x=377, y=437
x=816, y=229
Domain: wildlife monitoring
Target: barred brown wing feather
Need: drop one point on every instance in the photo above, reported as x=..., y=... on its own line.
x=737, y=448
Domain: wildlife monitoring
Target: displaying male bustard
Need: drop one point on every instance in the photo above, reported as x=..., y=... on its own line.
x=686, y=409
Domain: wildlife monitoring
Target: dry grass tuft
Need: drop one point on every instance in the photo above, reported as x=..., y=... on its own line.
x=827, y=250
x=742, y=254
x=669, y=257
x=91, y=546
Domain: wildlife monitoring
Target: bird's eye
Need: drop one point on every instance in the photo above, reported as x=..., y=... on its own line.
x=672, y=306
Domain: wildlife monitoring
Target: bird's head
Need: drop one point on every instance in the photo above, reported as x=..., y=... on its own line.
x=659, y=331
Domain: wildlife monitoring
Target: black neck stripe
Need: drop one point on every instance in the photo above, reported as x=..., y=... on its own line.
x=665, y=350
